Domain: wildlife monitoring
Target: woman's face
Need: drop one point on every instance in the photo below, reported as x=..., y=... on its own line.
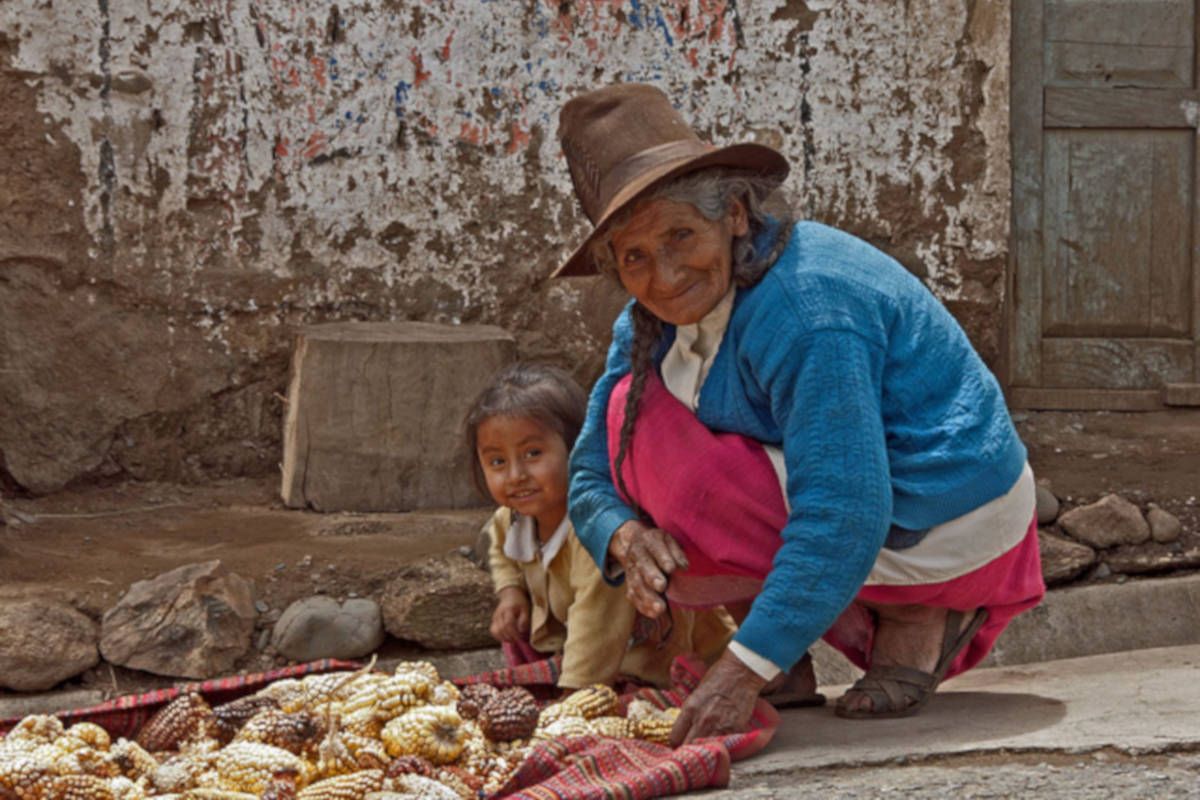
x=676, y=262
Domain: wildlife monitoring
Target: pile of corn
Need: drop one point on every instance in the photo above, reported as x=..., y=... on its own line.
x=360, y=736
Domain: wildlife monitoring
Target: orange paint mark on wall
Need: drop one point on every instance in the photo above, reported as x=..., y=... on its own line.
x=318, y=66
x=281, y=148
x=519, y=138
x=472, y=134
x=446, y=47
x=315, y=144
x=420, y=74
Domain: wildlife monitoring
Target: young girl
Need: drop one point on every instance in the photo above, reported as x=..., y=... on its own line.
x=552, y=598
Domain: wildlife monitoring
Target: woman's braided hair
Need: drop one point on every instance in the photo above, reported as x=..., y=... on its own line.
x=711, y=192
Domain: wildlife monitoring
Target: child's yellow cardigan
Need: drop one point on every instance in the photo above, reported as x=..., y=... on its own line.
x=573, y=610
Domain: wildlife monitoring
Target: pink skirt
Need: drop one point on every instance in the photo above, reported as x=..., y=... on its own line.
x=718, y=496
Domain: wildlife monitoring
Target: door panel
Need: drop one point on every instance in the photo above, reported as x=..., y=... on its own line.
x=1106, y=290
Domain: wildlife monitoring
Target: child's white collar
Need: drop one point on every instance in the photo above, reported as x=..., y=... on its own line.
x=522, y=543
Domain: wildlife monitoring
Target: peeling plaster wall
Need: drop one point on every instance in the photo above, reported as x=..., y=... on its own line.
x=185, y=180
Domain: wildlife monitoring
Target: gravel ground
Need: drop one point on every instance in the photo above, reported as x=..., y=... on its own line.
x=1091, y=777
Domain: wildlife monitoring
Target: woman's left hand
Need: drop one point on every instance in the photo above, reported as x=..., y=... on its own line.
x=722, y=703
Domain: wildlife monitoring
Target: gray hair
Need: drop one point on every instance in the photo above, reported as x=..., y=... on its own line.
x=711, y=192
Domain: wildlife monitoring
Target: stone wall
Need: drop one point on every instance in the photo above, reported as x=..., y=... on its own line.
x=187, y=180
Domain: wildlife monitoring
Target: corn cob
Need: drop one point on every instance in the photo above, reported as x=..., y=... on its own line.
x=433, y=732
x=178, y=774
x=565, y=727
x=410, y=765
x=593, y=701
x=87, y=761
x=20, y=772
x=133, y=761
x=229, y=718
x=344, y=787
x=472, y=698
x=508, y=715
x=71, y=787
x=36, y=729
x=125, y=789
x=422, y=668
x=282, y=786
x=616, y=727
x=186, y=718
x=249, y=766
x=444, y=694
x=655, y=729
x=298, y=733
x=90, y=734
x=418, y=787
x=454, y=781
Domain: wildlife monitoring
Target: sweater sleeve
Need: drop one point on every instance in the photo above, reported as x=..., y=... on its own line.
x=599, y=623
x=825, y=392
x=595, y=507
x=505, y=571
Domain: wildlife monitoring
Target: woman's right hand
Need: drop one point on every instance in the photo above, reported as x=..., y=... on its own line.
x=648, y=556
x=510, y=620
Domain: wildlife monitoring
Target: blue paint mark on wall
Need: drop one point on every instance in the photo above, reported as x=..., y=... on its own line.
x=401, y=97
x=637, y=16
x=661, y=24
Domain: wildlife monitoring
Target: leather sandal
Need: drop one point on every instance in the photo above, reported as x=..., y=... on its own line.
x=903, y=691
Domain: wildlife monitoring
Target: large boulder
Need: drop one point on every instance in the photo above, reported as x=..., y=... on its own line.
x=1062, y=559
x=192, y=622
x=321, y=627
x=42, y=643
x=1110, y=521
x=444, y=602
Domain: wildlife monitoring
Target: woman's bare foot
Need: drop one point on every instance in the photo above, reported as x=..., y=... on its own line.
x=795, y=688
x=905, y=636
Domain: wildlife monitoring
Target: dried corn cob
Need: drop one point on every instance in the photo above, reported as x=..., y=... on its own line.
x=410, y=765
x=444, y=694
x=508, y=715
x=593, y=701
x=132, y=759
x=71, y=787
x=299, y=732
x=655, y=729
x=90, y=734
x=472, y=698
x=433, y=732
x=453, y=780
x=249, y=766
x=565, y=727
x=344, y=787
x=36, y=729
x=418, y=787
x=230, y=717
x=20, y=772
x=616, y=727
x=186, y=718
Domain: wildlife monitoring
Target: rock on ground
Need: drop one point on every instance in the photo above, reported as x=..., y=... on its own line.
x=191, y=622
x=1047, y=505
x=1153, y=558
x=1110, y=521
x=1165, y=527
x=321, y=627
x=443, y=602
x=42, y=643
x=1062, y=559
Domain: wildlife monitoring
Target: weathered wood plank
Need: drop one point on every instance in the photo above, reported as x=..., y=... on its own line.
x=1084, y=399
x=1182, y=394
x=1137, y=22
x=1025, y=298
x=1113, y=363
x=1121, y=108
x=1171, y=266
x=1118, y=65
x=375, y=411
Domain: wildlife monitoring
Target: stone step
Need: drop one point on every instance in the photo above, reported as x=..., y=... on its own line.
x=375, y=410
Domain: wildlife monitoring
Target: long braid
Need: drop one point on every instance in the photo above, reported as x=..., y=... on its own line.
x=647, y=330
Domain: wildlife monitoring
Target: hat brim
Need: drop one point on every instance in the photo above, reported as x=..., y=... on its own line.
x=758, y=158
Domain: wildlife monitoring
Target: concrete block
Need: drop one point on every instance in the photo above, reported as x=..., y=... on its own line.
x=1105, y=618
x=374, y=418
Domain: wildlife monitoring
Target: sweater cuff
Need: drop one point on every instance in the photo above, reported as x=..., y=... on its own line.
x=783, y=648
x=764, y=668
x=604, y=525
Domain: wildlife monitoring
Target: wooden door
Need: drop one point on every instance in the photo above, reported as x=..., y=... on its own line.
x=1105, y=292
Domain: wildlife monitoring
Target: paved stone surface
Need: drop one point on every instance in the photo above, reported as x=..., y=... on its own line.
x=1139, y=702
x=1104, y=618
x=1089, y=778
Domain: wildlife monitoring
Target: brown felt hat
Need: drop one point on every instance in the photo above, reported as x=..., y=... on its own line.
x=621, y=140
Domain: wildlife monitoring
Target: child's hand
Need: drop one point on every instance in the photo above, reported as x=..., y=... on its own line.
x=510, y=622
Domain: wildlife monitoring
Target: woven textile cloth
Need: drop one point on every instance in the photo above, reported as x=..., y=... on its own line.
x=124, y=716
x=579, y=768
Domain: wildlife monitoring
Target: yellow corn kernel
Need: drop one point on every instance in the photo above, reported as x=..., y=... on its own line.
x=248, y=766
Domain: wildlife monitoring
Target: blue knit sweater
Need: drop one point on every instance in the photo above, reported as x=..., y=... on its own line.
x=885, y=413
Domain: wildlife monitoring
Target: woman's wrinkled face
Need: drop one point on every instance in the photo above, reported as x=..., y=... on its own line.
x=674, y=260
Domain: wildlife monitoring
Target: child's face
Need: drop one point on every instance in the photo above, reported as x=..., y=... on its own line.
x=525, y=464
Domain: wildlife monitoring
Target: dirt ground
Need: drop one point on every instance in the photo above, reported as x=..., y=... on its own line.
x=88, y=545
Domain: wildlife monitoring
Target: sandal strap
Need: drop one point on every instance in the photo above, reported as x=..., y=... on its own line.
x=893, y=689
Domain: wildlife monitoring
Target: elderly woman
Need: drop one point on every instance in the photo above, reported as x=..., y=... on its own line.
x=789, y=424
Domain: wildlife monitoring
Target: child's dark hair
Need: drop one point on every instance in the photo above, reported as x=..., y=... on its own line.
x=538, y=391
